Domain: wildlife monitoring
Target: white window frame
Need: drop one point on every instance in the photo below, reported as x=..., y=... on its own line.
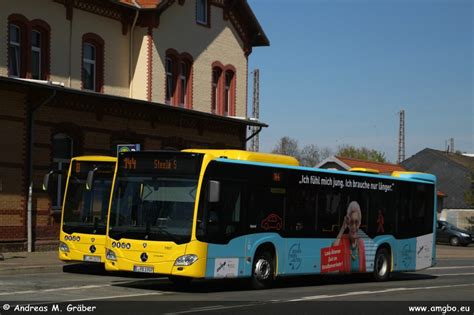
x=18, y=55
x=37, y=50
x=92, y=62
x=183, y=80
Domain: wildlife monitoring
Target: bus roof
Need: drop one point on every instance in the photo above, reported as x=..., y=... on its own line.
x=95, y=158
x=415, y=175
x=249, y=156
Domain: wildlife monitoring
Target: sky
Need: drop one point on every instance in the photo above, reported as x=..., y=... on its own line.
x=339, y=72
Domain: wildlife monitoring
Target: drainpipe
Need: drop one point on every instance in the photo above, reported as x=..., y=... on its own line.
x=130, y=66
x=31, y=134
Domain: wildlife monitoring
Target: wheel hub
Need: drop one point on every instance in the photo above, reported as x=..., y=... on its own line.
x=381, y=265
x=262, y=269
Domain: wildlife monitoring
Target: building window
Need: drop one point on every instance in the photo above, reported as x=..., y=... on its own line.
x=223, y=90
x=229, y=78
x=92, y=62
x=28, y=48
x=216, y=74
x=88, y=63
x=202, y=10
x=14, y=52
x=170, y=79
x=62, y=153
x=178, y=79
x=36, y=55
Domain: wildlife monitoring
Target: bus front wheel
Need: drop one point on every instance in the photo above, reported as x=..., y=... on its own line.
x=382, y=265
x=263, y=270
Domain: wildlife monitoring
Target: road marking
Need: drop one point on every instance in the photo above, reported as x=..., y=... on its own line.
x=321, y=297
x=457, y=267
x=116, y=296
x=67, y=288
x=213, y=308
x=453, y=274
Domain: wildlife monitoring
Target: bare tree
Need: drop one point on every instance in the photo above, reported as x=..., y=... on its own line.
x=287, y=146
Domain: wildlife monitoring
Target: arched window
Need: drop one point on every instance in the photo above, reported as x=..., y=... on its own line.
x=216, y=75
x=228, y=93
x=14, y=51
x=92, y=62
x=62, y=153
x=18, y=28
x=223, y=88
x=40, y=47
x=178, y=69
x=28, y=48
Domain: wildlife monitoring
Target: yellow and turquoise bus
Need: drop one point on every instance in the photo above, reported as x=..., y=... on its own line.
x=85, y=208
x=232, y=214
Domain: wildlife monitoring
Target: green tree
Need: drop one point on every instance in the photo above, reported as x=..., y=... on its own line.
x=362, y=153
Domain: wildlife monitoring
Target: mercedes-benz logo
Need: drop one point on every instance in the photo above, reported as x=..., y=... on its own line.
x=144, y=245
x=144, y=257
x=92, y=249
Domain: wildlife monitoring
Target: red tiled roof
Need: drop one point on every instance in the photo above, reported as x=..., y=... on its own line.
x=145, y=4
x=381, y=167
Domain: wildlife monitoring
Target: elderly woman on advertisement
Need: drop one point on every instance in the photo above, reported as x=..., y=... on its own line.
x=353, y=246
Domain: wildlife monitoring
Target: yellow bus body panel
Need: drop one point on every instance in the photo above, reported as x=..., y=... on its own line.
x=161, y=257
x=249, y=156
x=81, y=248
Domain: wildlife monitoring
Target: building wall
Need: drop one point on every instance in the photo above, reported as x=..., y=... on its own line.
x=66, y=42
x=95, y=133
x=140, y=63
x=220, y=42
x=12, y=167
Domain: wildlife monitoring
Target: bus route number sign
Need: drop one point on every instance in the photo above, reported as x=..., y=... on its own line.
x=129, y=163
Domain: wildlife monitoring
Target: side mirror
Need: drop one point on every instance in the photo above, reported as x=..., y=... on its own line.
x=46, y=180
x=214, y=191
x=90, y=179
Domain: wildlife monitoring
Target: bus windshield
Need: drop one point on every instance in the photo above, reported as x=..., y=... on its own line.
x=85, y=211
x=153, y=208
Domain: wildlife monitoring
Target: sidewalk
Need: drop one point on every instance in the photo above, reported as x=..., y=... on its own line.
x=37, y=261
x=24, y=261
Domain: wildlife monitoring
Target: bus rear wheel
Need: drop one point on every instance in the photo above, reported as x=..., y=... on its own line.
x=263, y=270
x=382, y=265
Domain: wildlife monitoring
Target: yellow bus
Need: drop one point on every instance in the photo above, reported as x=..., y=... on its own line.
x=233, y=214
x=85, y=208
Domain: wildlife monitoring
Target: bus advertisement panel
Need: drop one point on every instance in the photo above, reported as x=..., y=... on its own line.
x=261, y=220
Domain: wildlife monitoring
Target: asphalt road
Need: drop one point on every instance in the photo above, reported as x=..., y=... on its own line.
x=451, y=280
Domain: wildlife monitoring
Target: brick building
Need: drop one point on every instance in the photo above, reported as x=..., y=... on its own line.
x=164, y=74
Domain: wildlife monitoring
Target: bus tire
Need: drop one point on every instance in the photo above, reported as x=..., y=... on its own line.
x=382, y=265
x=180, y=282
x=263, y=270
x=454, y=241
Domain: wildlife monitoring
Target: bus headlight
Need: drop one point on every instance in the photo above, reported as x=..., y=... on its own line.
x=186, y=260
x=110, y=255
x=63, y=247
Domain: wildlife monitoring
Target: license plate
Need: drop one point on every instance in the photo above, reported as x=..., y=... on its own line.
x=145, y=269
x=89, y=258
